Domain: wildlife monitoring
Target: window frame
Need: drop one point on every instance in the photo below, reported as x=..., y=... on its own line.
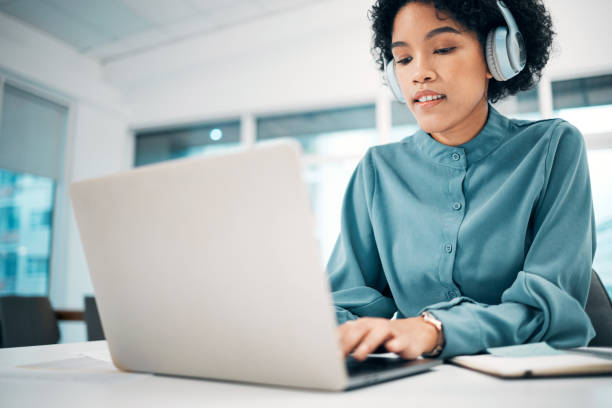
x=60, y=225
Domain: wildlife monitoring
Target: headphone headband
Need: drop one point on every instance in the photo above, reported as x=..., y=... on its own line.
x=514, y=39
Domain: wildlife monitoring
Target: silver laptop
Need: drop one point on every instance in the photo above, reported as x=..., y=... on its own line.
x=210, y=268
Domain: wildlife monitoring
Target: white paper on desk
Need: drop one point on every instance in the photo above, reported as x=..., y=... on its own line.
x=102, y=355
x=79, y=369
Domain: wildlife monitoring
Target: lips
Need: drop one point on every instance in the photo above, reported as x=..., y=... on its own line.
x=427, y=96
x=427, y=100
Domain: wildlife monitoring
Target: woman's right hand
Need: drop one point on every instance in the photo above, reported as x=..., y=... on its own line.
x=409, y=337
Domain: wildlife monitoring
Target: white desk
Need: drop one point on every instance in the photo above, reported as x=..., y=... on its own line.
x=444, y=386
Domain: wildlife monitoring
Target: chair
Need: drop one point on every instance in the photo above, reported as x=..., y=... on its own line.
x=92, y=320
x=27, y=321
x=599, y=309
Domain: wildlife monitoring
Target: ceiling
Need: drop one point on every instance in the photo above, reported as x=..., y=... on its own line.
x=109, y=30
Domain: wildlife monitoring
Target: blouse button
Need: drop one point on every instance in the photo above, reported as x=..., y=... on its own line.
x=448, y=248
x=457, y=206
x=456, y=156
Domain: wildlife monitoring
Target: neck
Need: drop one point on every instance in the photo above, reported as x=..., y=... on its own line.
x=467, y=129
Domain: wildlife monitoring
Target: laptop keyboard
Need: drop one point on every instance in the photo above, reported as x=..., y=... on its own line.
x=373, y=365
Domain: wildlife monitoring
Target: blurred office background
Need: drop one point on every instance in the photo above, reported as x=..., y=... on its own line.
x=93, y=87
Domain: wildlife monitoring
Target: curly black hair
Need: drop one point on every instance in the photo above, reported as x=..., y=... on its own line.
x=481, y=16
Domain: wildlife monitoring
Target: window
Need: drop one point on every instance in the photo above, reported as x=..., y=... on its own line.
x=403, y=122
x=599, y=166
x=327, y=183
x=9, y=218
x=587, y=104
x=337, y=132
x=157, y=145
x=41, y=219
x=333, y=142
x=525, y=105
x=25, y=235
x=32, y=133
x=581, y=92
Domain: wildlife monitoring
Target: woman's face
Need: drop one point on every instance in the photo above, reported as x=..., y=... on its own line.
x=439, y=57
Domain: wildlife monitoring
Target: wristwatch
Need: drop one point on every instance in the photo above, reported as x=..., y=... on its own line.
x=431, y=319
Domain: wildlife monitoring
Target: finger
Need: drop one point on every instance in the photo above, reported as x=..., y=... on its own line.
x=409, y=353
x=401, y=347
x=343, y=328
x=394, y=345
x=370, y=342
x=351, y=337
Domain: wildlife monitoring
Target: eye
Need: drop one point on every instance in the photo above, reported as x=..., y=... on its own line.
x=444, y=50
x=404, y=61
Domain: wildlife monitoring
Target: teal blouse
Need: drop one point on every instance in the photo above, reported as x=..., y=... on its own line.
x=495, y=238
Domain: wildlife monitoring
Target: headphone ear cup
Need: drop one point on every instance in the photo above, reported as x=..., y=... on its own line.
x=498, y=58
x=491, y=55
x=392, y=81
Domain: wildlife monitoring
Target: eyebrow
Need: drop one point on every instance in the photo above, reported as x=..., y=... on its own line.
x=431, y=34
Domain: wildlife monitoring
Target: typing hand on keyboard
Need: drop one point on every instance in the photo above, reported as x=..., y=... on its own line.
x=410, y=337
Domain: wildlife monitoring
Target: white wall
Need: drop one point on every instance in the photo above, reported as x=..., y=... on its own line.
x=312, y=57
x=98, y=142
x=582, y=45
x=101, y=146
x=37, y=57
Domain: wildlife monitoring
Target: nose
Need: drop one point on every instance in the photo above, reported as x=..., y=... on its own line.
x=422, y=71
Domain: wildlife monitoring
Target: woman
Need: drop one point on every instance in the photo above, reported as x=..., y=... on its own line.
x=478, y=230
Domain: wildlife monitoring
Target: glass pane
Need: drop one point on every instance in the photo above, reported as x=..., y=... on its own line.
x=600, y=167
x=347, y=143
x=168, y=144
x=345, y=131
x=26, y=214
x=401, y=115
x=403, y=122
x=590, y=120
x=399, y=133
x=524, y=105
x=590, y=91
x=327, y=183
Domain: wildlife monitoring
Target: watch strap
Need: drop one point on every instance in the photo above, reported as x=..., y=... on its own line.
x=431, y=319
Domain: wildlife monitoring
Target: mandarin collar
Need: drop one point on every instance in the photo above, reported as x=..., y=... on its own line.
x=489, y=137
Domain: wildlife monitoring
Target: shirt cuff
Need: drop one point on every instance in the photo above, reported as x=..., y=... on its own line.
x=343, y=315
x=461, y=330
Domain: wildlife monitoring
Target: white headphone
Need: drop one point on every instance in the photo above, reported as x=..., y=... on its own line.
x=504, y=49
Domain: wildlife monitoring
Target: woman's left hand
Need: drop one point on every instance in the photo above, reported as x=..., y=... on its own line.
x=409, y=337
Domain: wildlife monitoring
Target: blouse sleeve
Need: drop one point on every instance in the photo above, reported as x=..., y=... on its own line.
x=546, y=301
x=354, y=268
